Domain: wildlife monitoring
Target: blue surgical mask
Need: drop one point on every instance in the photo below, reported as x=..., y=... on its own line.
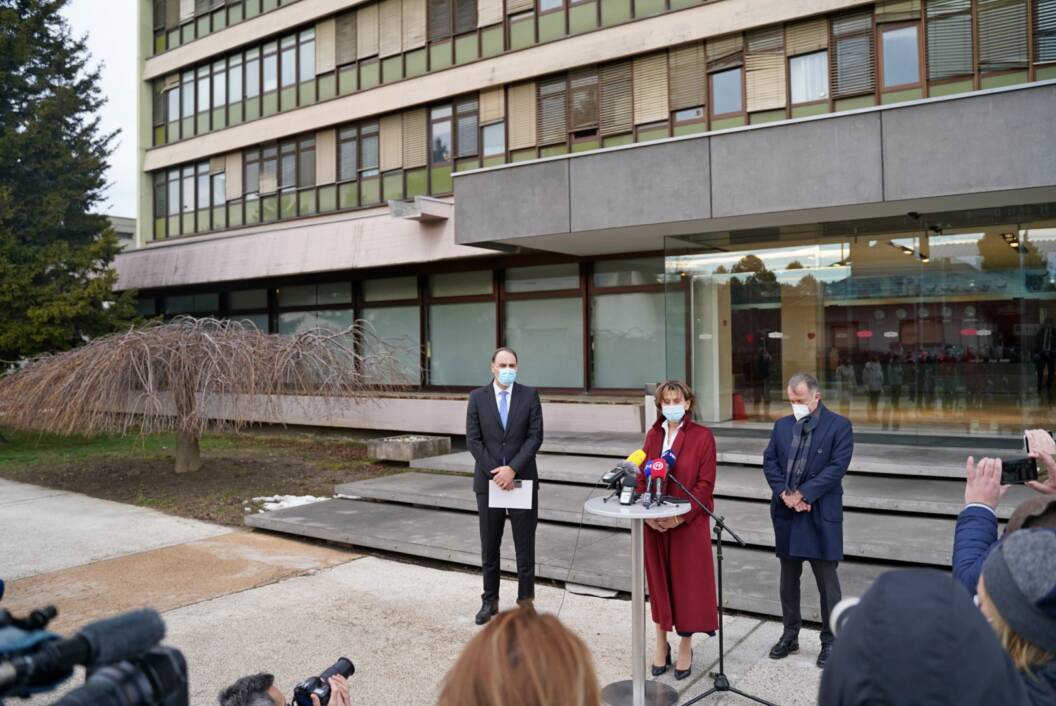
x=507, y=376
x=673, y=412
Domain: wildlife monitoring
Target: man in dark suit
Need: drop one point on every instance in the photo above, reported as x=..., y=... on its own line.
x=504, y=430
x=804, y=463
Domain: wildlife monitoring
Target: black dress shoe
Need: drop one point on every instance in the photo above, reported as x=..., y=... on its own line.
x=823, y=656
x=487, y=609
x=657, y=671
x=681, y=674
x=784, y=647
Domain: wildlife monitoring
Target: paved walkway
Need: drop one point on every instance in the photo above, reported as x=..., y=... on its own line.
x=237, y=602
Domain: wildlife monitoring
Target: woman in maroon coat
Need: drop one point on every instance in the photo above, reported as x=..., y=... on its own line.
x=678, y=563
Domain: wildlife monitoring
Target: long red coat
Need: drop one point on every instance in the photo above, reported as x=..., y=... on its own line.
x=678, y=563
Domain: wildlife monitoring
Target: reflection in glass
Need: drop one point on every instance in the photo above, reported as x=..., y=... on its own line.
x=548, y=337
x=726, y=92
x=901, y=57
x=625, y=329
x=461, y=339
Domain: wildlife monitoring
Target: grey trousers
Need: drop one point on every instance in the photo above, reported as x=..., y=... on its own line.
x=828, y=588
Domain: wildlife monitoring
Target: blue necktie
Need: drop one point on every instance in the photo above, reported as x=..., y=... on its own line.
x=504, y=410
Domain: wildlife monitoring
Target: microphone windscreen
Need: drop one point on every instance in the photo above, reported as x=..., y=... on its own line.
x=637, y=457
x=123, y=637
x=658, y=468
x=669, y=456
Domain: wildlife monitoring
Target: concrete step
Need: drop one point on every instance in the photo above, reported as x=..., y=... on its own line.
x=866, y=535
x=591, y=555
x=887, y=459
x=861, y=491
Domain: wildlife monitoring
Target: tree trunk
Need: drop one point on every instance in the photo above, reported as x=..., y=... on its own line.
x=188, y=455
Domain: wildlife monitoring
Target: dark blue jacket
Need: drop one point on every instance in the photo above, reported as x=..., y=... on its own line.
x=974, y=538
x=817, y=534
x=1040, y=684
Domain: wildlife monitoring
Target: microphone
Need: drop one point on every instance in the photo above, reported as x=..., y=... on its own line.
x=104, y=642
x=659, y=473
x=627, y=491
x=669, y=456
x=647, y=496
x=629, y=466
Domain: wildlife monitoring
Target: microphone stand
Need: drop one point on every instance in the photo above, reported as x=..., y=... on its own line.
x=722, y=682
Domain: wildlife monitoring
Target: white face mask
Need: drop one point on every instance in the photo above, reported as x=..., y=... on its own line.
x=800, y=411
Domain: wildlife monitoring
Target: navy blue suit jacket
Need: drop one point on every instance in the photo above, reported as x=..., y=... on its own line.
x=817, y=534
x=516, y=445
x=974, y=538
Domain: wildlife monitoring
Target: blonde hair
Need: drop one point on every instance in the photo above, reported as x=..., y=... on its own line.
x=674, y=386
x=1023, y=653
x=522, y=658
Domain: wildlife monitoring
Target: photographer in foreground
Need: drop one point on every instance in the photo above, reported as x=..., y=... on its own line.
x=976, y=533
x=260, y=690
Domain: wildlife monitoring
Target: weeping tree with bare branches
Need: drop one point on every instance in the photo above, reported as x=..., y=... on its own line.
x=190, y=376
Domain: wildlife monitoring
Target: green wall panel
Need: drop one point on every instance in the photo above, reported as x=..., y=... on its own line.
x=392, y=69
x=802, y=111
x=1011, y=79
x=615, y=11
x=491, y=41
x=583, y=18
x=440, y=180
x=466, y=49
x=551, y=26
x=855, y=103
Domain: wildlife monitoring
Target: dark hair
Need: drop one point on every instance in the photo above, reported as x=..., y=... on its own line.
x=507, y=350
x=674, y=386
x=249, y=691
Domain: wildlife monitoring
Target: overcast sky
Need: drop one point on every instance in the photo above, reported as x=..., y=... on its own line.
x=111, y=29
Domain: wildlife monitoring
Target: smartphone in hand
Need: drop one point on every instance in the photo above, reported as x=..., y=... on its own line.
x=1017, y=471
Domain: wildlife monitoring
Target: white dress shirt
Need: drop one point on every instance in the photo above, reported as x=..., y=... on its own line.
x=669, y=436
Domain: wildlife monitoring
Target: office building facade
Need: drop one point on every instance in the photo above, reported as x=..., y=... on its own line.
x=622, y=190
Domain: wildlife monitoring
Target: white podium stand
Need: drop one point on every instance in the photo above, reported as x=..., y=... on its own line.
x=637, y=691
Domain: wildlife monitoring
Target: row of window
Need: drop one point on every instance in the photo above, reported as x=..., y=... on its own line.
x=941, y=47
x=458, y=316
x=178, y=22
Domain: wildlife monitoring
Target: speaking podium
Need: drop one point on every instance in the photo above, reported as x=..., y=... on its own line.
x=637, y=691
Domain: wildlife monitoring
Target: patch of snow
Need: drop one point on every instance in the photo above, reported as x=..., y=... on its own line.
x=281, y=502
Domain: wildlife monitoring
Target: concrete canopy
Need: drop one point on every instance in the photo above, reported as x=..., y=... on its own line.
x=988, y=149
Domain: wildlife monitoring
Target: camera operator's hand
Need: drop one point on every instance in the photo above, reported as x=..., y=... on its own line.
x=1047, y=487
x=1039, y=440
x=338, y=692
x=984, y=482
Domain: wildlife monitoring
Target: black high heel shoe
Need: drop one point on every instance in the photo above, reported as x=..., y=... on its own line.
x=681, y=674
x=657, y=671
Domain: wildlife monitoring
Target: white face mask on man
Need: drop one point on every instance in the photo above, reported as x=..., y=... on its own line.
x=800, y=411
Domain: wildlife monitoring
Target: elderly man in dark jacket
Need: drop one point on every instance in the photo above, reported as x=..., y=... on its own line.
x=804, y=463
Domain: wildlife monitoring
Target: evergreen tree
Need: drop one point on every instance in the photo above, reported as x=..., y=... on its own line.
x=56, y=283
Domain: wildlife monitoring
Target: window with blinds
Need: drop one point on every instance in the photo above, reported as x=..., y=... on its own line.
x=725, y=52
x=367, y=18
x=650, y=88
x=686, y=76
x=414, y=30
x=467, y=124
x=764, y=65
x=897, y=10
x=616, y=99
x=807, y=37
x=1002, y=27
x=553, y=123
x=949, y=39
x=345, y=38
x=583, y=99
x=465, y=16
x=439, y=19
x=1044, y=30
x=853, y=55
x=415, y=138
x=390, y=40
x=522, y=115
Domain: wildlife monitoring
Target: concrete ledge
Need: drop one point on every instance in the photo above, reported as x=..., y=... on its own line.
x=407, y=447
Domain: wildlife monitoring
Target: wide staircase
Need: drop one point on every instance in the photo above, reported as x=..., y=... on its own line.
x=900, y=503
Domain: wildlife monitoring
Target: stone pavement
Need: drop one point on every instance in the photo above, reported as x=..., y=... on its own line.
x=237, y=602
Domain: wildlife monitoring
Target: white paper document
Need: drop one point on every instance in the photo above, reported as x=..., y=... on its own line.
x=520, y=498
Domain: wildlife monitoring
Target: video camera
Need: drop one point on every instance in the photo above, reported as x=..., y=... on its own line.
x=126, y=665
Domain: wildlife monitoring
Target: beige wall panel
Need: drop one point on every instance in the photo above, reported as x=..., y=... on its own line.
x=413, y=24
x=492, y=105
x=326, y=157
x=367, y=31
x=325, y=47
x=391, y=142
x=650, y=88
x=653, y=34
x=233, y=178
x=522, y=125
x=489, y=12
x=415, y=138
x=391, y=27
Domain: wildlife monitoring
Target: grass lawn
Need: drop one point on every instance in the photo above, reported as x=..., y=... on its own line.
x=235, y=469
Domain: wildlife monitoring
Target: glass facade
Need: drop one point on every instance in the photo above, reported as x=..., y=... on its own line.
x=938, y=322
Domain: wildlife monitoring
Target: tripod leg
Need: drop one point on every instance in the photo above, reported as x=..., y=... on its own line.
x=750, y=697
